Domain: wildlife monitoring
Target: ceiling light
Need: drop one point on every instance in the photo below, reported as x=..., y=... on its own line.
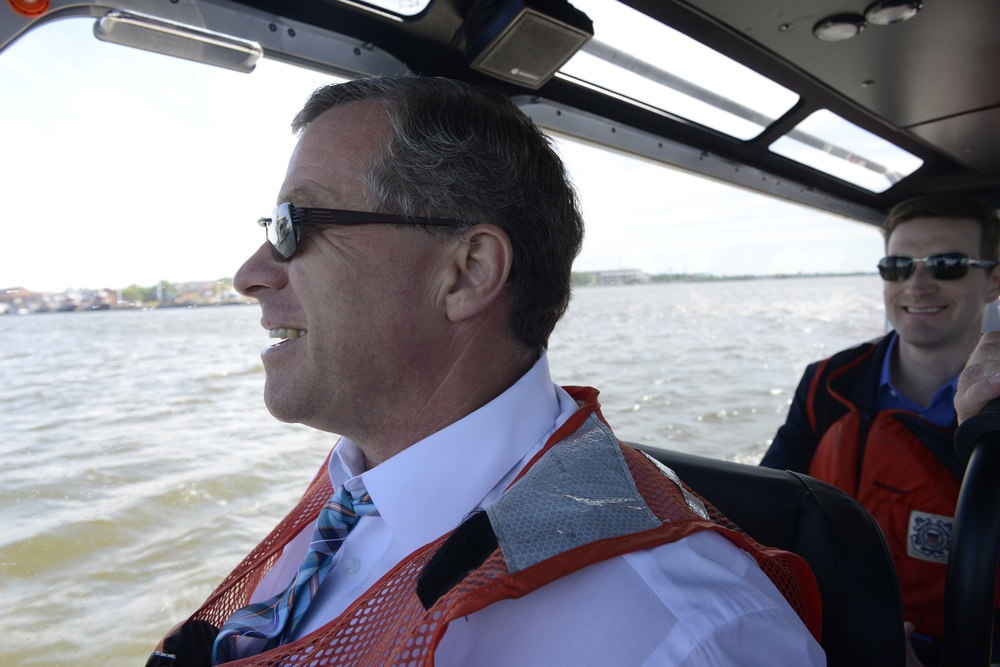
x=839, y=27
x=177, y=39
x=885, y=12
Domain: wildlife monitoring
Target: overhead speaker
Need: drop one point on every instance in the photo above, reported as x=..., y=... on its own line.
x=526, y=44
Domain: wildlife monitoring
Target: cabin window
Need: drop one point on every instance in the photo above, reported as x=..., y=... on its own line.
x=162, y=167
x=655, y=66
x=827, y=142
x=137, y=166
x=648, y=219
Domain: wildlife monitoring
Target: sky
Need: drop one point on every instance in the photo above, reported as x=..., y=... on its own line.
x=124, y=167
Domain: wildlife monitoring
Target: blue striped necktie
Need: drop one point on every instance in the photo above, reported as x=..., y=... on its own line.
x=277, y=618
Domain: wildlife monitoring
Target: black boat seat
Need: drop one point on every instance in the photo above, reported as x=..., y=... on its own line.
x=862, y=612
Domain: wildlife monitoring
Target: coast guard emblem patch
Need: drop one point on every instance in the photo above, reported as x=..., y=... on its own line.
x=929, y=536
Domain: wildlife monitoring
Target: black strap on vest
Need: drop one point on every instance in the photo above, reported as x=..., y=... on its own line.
x=190, y=645
x=464, y=550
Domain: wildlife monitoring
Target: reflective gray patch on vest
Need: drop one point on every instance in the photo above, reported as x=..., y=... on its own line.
x=580, y=491
x=693, y=503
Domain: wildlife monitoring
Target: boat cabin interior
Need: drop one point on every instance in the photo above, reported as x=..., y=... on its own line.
x=846, y=106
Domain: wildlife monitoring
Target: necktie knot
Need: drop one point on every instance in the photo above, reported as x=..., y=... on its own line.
x=338, y=517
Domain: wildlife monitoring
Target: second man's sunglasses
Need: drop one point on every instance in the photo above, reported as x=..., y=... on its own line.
x=944, y=266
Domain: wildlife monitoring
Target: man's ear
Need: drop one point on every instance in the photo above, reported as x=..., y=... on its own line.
x=482, y=261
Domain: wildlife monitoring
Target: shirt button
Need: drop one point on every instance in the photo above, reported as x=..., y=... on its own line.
x=351, y=566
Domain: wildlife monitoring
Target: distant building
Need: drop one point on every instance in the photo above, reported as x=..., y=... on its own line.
x=18, y=300
x=614, y=277
x=21, y=301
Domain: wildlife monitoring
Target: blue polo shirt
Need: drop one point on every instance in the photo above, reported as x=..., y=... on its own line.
x=940, y=412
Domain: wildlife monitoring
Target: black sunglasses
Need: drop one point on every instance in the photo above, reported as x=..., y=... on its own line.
x=283, y=225
x=944, y=266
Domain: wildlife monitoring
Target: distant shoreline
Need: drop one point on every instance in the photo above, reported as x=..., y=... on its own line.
x=123, y=308
x=626, y=277
x=20, y=301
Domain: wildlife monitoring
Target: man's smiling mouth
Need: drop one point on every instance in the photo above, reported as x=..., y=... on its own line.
x=286, y=334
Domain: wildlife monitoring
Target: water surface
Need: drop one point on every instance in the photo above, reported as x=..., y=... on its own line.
x=140, y=464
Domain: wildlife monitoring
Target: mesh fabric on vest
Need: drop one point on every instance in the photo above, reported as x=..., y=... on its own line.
x=389, y=626
x=789, y=573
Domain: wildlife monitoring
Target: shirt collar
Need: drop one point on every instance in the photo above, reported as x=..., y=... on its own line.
x=941, y=410
x=427, y=489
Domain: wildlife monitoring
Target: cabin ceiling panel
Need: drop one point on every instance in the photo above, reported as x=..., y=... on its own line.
x=943, y=50
x=961, y=138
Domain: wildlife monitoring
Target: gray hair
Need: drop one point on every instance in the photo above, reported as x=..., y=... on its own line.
x=457, y=151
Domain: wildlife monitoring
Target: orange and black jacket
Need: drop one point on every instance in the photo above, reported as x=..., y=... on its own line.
x=902, y=468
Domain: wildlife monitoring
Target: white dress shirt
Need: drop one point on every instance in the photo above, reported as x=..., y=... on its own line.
x=698, y=601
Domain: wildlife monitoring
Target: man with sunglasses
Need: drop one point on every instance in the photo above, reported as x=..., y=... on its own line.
x=473, y=512
x=878, y=420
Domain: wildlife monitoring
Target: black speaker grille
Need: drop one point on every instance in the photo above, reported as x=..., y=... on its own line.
x=531, y=50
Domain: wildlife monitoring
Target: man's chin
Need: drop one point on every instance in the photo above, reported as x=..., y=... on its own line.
x=280, y=405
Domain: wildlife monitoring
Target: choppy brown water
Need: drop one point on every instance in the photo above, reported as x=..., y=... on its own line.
x=140, y=465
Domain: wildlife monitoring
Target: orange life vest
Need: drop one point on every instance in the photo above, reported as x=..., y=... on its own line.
x=402, y=618
x=900, y=467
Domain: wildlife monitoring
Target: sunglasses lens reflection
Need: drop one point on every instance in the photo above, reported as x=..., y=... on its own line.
x=895, y=268
x=280, y=234
x=947, y=266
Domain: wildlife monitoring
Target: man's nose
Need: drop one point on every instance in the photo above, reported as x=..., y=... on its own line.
x=261, y=271
x=921, y=280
